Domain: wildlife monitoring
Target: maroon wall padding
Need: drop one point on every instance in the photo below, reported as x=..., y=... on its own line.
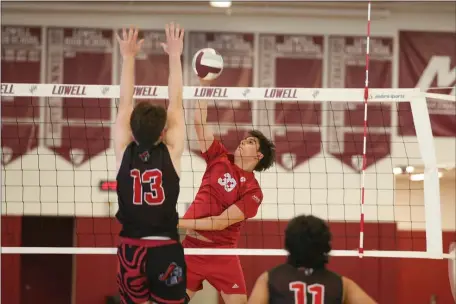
x=11, y=263
x=388, y=280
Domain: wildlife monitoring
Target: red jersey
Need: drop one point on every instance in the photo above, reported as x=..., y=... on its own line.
x=223, y=185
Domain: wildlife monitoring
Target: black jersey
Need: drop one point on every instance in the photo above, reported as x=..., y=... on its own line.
x=147, y=191
x=291, y=285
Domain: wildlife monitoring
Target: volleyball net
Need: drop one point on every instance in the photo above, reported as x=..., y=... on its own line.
x=58, y=161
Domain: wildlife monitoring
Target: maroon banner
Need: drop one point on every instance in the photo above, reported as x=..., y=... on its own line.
x=231, y=118
x=78, y=129
x=347, y=69
x=21, y=63
x=428, y=60
x=292, y=61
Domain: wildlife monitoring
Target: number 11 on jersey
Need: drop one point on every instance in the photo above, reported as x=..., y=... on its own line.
x=301, y=290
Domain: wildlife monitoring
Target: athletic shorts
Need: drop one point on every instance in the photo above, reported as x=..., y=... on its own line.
x=223, y=272
x=151, y=270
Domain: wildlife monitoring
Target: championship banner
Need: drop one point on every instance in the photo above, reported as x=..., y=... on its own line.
x=78, y=129
x=428, y=60
x=231, y=118
x=347, y=69
x=291, y=61
x=21, y=63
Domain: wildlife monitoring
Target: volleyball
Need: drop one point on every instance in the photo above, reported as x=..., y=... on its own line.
x=207, y=64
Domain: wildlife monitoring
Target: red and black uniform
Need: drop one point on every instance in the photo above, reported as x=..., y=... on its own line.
x=293, y=285
x=151, y=258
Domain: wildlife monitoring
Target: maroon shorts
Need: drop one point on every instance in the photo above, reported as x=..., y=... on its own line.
x=223, y=272
x=151, y=271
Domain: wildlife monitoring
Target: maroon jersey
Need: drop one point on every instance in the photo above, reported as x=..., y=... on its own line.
x=290, y=285
x=224, y=184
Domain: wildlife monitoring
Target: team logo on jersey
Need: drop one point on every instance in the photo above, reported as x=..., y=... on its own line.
x=172, y=275
x=144, y=156
x=307, y=271
x=227, y=182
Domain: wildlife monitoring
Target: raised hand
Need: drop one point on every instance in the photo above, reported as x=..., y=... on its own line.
x=129, y=44
x=174, y=39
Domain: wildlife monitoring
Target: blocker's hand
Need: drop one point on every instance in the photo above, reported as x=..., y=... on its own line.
x=174, y=40
x=129, y=44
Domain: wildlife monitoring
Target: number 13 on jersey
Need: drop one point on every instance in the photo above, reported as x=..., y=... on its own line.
x=301, y=290
x=153, y=196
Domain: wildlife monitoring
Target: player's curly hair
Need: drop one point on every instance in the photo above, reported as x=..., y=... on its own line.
x=267, y=148
x=147, y=122
x=308, y=241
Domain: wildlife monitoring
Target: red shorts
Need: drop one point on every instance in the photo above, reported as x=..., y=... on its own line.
x=223, y=272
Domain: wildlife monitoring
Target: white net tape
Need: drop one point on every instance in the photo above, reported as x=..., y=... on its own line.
x=219, y=93
x=425, y=149
x=226, y=251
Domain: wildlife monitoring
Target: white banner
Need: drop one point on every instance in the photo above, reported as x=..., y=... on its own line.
x=220, y=93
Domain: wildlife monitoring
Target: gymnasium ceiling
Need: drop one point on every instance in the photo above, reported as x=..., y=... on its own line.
x=270, y=8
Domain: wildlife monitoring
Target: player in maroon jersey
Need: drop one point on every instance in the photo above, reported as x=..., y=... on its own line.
x=229, y=194
x=304, y=277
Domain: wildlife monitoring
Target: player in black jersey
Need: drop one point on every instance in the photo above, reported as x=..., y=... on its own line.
x=304, y=279
x=151, y=259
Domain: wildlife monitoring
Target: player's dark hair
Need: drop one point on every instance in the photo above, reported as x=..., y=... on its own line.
x=147, y=122
x=308, y=241
x=267, y=148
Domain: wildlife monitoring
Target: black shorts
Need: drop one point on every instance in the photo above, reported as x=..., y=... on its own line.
x=151, y=271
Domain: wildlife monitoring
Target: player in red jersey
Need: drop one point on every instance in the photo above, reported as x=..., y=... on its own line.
x=229, y=194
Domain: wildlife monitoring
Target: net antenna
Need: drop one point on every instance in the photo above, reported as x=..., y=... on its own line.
x=416, y=98
x=366, y=97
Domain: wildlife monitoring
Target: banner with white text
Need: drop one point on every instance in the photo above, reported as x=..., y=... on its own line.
x=21, y=63
x=291, y=61
x=78, y=129
x=427, y=60
x=347, y=69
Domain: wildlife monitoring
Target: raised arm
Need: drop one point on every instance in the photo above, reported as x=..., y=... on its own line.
x=175, y=134
x=129, y=47
x=203, y=131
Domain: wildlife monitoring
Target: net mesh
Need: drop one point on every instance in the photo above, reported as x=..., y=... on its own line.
x=58, y=161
